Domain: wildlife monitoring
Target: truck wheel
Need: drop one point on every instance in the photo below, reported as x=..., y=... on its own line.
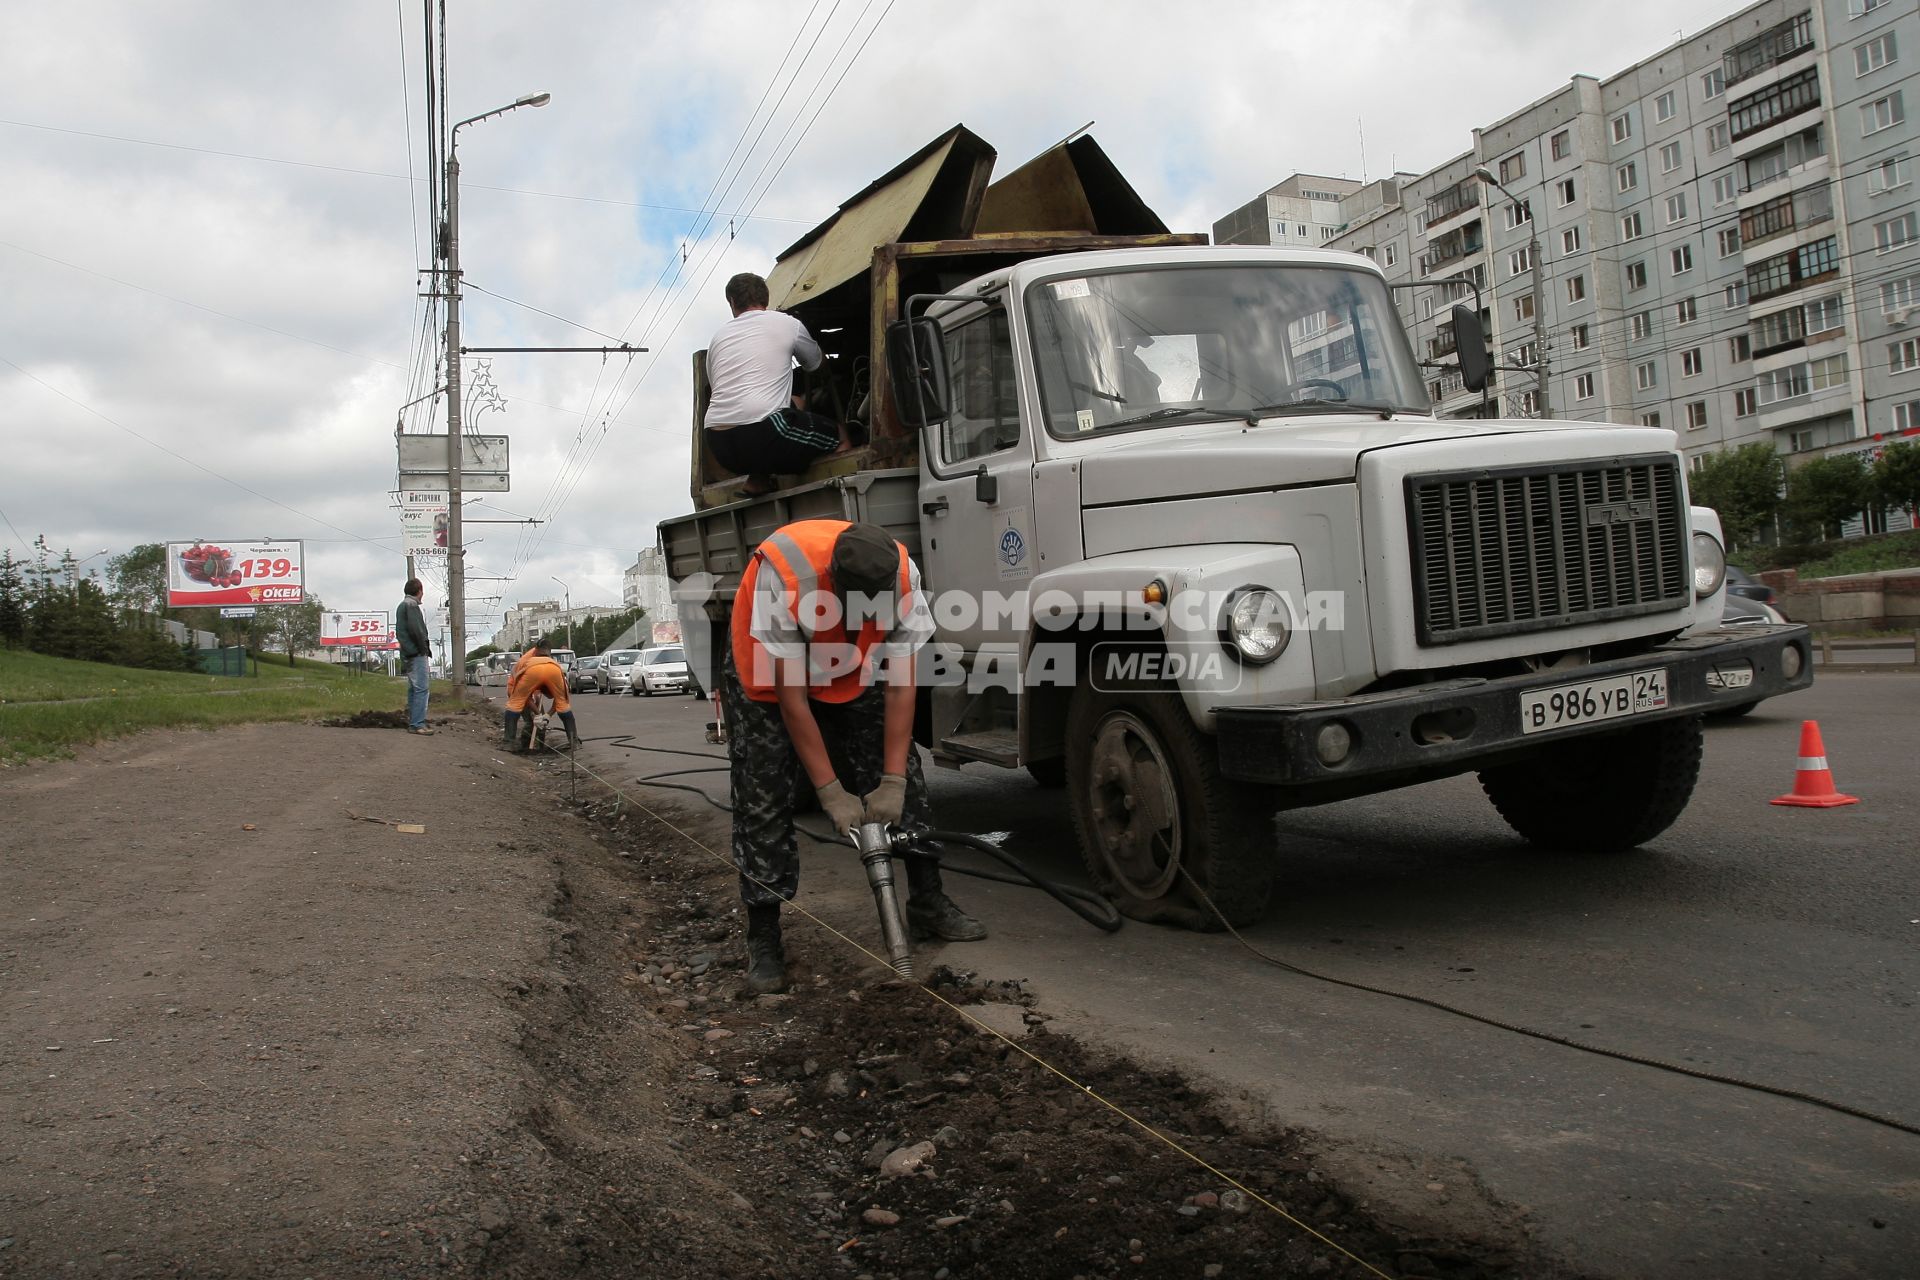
x=1149, y=802
x=1602, y=794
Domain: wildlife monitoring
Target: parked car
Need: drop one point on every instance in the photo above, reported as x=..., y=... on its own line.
x=1742, y=583
x=662, y=670
x=615, y=672
x=580, y=676
x=1742, y=611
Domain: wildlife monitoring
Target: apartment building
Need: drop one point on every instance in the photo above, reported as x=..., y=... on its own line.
x=1720, y=239
x=645, y=584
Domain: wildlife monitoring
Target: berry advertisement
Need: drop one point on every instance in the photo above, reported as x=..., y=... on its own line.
x=235, y=572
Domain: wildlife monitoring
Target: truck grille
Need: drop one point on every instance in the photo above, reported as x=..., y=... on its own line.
x=1530, y=549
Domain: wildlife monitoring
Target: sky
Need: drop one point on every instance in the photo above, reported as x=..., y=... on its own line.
x=213, y=216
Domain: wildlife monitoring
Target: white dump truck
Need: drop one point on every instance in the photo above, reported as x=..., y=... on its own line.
x=1199, y=550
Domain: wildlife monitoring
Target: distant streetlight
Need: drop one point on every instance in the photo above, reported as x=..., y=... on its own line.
x=456, y=548
x=1539, y=299
x=73, y=574
x=569, y=599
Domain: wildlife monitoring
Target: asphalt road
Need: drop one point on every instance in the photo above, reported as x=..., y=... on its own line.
x=1779, y=945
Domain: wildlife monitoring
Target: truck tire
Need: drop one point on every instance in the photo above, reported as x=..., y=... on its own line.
x=1051, y=774
x=1603, y=794
x=1148, y=803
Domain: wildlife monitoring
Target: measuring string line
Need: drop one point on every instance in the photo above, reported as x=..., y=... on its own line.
x=885, y=965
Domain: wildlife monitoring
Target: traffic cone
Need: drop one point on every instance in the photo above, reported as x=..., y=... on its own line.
x=1813, y=781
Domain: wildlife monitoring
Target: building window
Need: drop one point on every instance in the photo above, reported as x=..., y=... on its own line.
x=1576, y=288
x=1696, y=414
x=1903, y=357
x=1646, y=376
x=1735, y=295
x=1622, y=127
x=1391, y=253
x=1650, y=419
x=1640, y=325
x=1684, y=311
x=1714, y=83
x=1894, y=232
x=1519, y=262
x=1682, y=259
x=1906, y=416
x=1901, y=295
x=1743, y=403
x=1779, y=100
x=1861, y=8
x=1513, y=167
x=1739, y=348
x=1800, y=441
x=1519, y=214
x=1523, y=355
x=1889, y=175
x=1627, y=176
x=1776, y=385
x=1564, y=190
x=1583, y=387
x=1426, y=307
x=1570, y=240
x=1579, y=336
x=1631, y=227
x=1663, y=106
x=1822, y=256
x=1719, y=138
x=1670, y=157
x=1562, y=144
x=1636, y=275
x=1825, y=316
x=1882, y=113
x=1676, y=207
x=1729, y=241
x=1725, y=189
x=1690, y=363
x=1830, y=372
x=1523, y=307
x=1874, y=54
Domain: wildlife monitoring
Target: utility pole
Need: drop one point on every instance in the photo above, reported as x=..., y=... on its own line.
x=569, y=606
x=1539, y=298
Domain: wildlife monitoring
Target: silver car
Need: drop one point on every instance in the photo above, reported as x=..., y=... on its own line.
x=615, y=672
x=662, y=670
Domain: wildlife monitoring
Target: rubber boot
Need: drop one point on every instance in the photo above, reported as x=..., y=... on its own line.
x=573, y=730
x=512, y=722
x=766, y=958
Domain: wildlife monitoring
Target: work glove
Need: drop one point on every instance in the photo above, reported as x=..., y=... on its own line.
x=884, y=802
x=841, y=809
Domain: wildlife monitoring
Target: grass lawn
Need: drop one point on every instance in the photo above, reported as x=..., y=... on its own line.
x=50, y=705
x=1894, y=551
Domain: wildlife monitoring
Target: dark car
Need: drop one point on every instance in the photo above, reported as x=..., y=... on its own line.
x=1740, y=611
x=1742, y=583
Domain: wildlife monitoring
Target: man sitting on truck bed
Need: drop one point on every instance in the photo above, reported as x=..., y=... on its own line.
x=818, y=691
x=756, y=425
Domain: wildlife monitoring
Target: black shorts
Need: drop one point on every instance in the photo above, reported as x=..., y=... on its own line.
x=784, y=442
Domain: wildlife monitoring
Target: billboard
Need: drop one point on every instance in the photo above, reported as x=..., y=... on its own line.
x=423, y=523
x=237, y=571
x=363, y=628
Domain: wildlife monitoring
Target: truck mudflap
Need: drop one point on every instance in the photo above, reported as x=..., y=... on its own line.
x=1372, y=741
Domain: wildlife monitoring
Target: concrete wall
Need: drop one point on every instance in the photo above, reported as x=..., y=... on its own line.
x=1887, y=601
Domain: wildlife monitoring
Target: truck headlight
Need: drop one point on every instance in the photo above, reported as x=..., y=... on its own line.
x=1709, y=564
x=1255, y=625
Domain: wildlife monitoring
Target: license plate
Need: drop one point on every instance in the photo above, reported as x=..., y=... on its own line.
x=1611, y=698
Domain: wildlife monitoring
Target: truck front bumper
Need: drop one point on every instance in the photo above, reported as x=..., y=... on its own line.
x=1372, y=741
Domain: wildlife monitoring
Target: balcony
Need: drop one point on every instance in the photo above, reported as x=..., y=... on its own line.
x=1442, y=344
x=1768, y=49
x=1785, y=272
x=1781, y=100
x=1455, y=200
x=1785, y=213
x=1451, y=247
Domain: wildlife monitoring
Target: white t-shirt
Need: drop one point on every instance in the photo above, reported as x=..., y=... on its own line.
x=750, y=366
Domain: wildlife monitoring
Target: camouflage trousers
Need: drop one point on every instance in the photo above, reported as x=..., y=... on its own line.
x=770, y=786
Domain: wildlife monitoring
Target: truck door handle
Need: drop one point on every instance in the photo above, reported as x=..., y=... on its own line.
x=938, y=507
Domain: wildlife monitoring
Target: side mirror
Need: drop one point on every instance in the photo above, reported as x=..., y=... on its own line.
x=917, y=366
x=1470, y=342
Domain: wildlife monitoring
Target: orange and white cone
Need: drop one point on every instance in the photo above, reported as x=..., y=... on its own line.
x=1813, y=782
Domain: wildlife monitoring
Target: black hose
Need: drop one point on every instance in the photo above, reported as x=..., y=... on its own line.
x=1097, y=911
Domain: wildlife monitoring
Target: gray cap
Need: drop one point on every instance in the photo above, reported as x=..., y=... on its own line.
x=866, y=561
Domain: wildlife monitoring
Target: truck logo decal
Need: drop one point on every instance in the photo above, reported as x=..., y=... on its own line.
x=1610, y=513
x=1013, y=547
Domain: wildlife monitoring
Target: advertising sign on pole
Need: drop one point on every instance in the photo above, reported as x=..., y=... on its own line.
x=423, y=523
x=367, y=628
x=483, y=463
x=238, y=611
x=235, y=572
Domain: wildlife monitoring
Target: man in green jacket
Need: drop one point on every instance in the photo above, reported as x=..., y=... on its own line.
x=416, y=653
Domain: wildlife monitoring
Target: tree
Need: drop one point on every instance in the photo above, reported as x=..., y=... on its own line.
x=1825, y=493
x=13, y=603
x=1743, y=485
x=139, y=579
x=1896, y=477
x=482, y=651
x=297, y=626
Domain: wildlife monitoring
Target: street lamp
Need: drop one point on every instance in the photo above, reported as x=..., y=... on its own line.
x=456, y=551
x=73, y=574
x=569, y=599
x=1539, y=298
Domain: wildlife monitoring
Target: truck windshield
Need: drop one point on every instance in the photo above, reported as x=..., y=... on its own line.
x=1169, y=344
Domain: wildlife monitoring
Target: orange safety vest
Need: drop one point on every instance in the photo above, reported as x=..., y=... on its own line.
x=800, y=553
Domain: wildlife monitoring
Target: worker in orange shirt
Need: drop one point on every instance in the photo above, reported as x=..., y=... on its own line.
x=537, y=672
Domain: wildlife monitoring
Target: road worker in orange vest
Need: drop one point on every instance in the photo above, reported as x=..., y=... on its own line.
x=818, y=688
x=537, y=672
